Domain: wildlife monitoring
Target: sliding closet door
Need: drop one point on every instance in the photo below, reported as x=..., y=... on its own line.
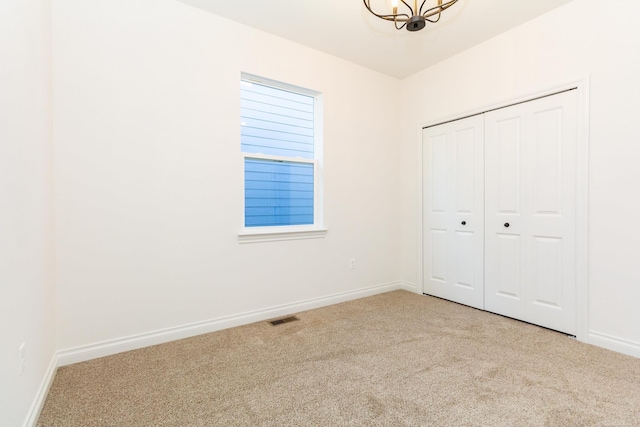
x=530, y=211
x=453, y=211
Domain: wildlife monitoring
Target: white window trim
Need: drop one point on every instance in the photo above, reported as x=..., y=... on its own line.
x=292, y=232
x=268, y=234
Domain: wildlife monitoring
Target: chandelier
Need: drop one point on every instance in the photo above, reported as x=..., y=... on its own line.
x=414, y=18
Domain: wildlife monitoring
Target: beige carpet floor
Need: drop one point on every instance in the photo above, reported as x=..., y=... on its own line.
x=396, y=359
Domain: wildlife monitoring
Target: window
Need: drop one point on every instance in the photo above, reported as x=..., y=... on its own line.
x=281, y=147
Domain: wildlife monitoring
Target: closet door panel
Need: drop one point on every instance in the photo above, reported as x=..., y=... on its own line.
x=464, y=257
x=454, y=211
x=465, y=197
x=505, y=157
x=547, y=272
x=505, y=140
x=438, y=245
x=508, y=283
x=552, y=215
x=530, y=203
x=435, y=205
x=437, y=170
x=547, y=162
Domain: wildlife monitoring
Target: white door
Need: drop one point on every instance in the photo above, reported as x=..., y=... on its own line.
x=453, y=211
x=530, y=211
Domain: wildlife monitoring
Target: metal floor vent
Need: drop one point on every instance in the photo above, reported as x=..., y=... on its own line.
x=283, y=320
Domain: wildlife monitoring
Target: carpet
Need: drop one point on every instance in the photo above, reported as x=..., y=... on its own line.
x=395, y=359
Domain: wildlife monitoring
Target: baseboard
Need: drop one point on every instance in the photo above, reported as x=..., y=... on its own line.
x=41, y=396
x=108, y=348
x=614, y=343
x=408, y=286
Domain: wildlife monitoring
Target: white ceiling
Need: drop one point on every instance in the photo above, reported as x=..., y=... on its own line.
x=345, y=29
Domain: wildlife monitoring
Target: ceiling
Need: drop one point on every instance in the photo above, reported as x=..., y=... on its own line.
x=344, y=28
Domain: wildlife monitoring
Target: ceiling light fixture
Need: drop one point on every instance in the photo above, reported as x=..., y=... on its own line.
x=416, y=18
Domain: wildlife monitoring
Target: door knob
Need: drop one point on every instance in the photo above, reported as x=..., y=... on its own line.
x=464, y=223
x=506, y=224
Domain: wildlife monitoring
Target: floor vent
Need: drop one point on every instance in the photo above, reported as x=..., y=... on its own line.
x=283, y=320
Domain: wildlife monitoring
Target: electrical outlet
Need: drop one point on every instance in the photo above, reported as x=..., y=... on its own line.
x=352, y=263
x=22, y=357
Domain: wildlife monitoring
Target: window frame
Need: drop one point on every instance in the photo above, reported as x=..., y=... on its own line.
x=289, y=232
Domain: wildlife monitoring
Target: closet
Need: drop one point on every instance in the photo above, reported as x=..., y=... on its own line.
x=499, y=211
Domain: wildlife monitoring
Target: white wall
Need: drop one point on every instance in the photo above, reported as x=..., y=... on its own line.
x=26, y=231
x=149, y=176
x=569, y=43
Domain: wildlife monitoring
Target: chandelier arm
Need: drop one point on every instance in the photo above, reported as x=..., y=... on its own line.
x=421, y=6
x=395, y=18
x=433, y=21
x=438, y=9
x=413, y=12
x=401, y=26
x=400, y=17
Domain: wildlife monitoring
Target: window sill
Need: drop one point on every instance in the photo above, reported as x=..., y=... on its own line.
x=249, y=235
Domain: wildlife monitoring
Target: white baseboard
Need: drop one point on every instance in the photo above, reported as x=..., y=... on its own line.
x=41, y=396
x=408, y=286
x=614, y=343
x=133, y=342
